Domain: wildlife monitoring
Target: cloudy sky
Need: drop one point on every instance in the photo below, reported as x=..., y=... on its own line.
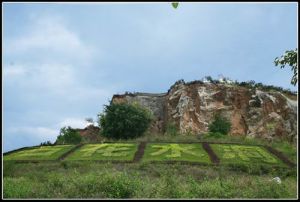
x=63, y=62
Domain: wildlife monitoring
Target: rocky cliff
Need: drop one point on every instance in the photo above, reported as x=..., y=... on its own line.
x=192, y=106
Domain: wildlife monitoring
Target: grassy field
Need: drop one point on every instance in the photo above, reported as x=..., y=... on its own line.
x=164, y=152
x=105, y=151
x=70, y=179
x=92, y=179
x=282, y=145
x=175, y=152
x=241, y=154
x=39, y=153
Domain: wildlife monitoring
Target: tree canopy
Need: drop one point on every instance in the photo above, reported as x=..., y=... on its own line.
x=289, y=58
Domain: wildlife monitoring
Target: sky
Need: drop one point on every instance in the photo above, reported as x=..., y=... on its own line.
x=62, y=62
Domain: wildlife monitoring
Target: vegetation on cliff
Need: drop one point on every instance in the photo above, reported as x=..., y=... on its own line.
x=220, y=125
x=68, y=135
x=124, y=121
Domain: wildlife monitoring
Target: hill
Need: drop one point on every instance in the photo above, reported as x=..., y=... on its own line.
x=255, y=110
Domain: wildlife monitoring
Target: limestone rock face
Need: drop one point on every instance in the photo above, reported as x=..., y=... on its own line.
x=191, y=107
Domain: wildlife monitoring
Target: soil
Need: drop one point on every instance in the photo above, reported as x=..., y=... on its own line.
x=140, y=152
x=213, y=157
x=69, y=152
x=279, y=155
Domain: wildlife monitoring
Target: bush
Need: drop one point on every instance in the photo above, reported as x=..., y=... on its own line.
x=171, y=129
x=256, y=102
x=68, y=135
x=220, y=125
x=124, y=121
x=215, y=135
x=47, y=143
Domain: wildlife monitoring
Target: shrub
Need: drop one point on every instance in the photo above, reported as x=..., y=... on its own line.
x=120, y=186
x=171, y=129
x=47, y=143
x=256, y=102
x=220, y=125
x=124, y=120
x=68, y=135
x=215, y=134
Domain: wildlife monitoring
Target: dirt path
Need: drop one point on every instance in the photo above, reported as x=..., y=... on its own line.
x=280, y=155
x=213, y=157
x=62, y=157
x=140, y=152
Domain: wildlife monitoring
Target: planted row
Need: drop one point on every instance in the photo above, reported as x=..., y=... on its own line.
x=226, y=153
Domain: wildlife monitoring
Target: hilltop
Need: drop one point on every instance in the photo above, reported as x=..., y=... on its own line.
x=254, y=109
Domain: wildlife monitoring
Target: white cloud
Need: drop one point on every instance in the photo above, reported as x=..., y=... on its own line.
x=53, y=77
x=50, y=57
x=73, y=122
x=51, y=36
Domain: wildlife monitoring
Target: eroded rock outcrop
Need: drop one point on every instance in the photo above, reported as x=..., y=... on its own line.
x=192, y=106
x=90, y=133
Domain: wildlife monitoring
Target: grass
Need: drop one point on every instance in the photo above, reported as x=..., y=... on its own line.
x=39, y=153
x=91, y=179
x=157, y=137
x=175, y=152
x=287, y=148
x=105, y=151
x=144, y=180
x=241, y=154
x=228, y=153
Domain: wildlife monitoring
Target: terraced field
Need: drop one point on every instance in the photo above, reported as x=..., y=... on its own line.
x=175, y=152
x=243, y=154
x=105, y=151
x=39, y=153
x=205, y=153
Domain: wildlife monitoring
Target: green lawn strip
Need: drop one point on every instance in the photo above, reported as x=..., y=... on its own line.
x=175, y=152
x=289, y=150
x=244, y=154
x=39, y=153
x=105, y=151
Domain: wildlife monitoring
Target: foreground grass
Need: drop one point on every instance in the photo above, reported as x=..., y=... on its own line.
x=143, y=180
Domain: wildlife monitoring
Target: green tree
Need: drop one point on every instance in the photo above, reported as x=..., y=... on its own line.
x=289, y=58
x=68, y=135
x=124, y=121
x=220, y=125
